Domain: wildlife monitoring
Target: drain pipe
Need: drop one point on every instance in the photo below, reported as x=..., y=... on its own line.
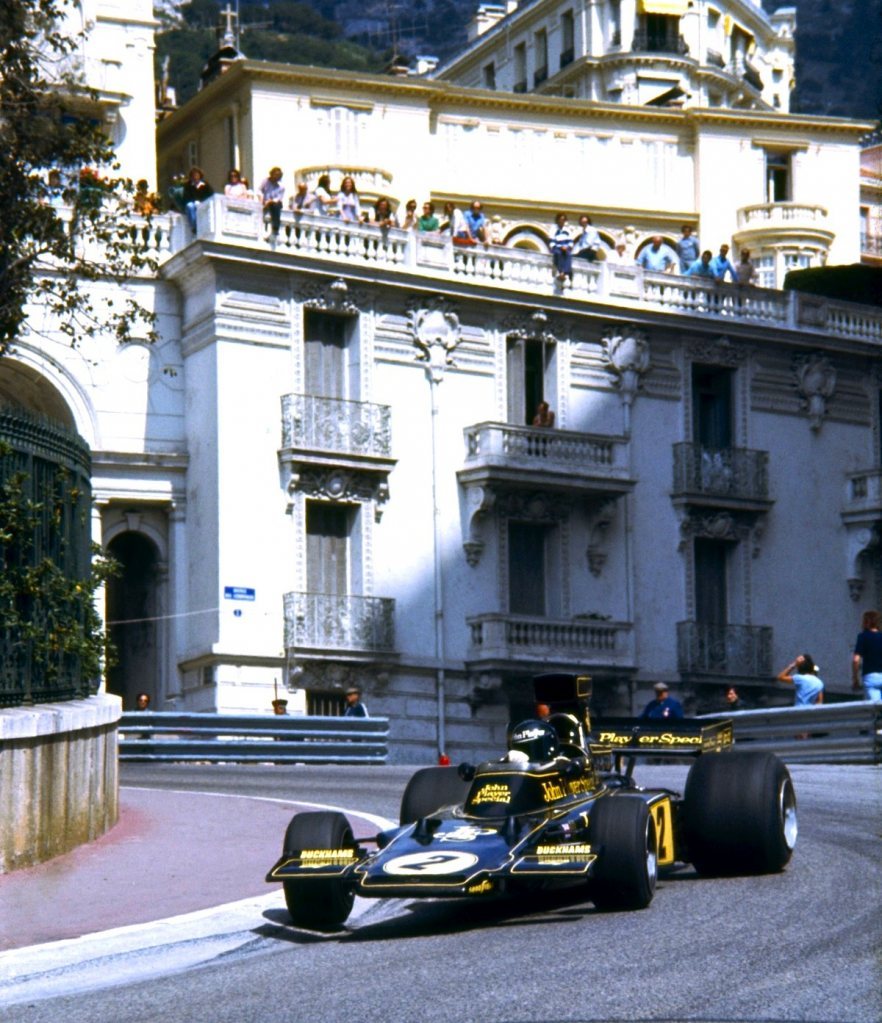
x=440, y=659
x=436, y=332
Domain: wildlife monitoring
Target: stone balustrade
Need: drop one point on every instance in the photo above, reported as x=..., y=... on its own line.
x=321, y=622
x=586, y=641
x=328, y=240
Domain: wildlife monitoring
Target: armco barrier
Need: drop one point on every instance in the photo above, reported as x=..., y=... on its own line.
x=251, y=738
x=829, y=733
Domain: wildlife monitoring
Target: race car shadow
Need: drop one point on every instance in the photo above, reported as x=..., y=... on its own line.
x=404, y=919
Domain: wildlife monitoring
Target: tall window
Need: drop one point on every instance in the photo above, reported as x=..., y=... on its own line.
x=530, y=378
x=711, y=584
x=328, y=532
x=712, y=407
x=490, y=76
x=778, y=177
x=520, y=67
x=540, y=56
x=527, y=568
x=567, y=38
x=615, y=23
x=331, y=368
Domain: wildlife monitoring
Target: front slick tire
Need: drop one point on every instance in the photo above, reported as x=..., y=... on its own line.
x=320, y=904
x=622, y=831
x=739, y=814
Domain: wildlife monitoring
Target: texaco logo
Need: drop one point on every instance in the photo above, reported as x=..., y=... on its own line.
x=430, y=863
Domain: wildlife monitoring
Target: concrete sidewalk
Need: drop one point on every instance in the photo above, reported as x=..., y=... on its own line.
x=171, y=853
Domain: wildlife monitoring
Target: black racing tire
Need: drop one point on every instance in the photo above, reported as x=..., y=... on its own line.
x=739, y=814
x=622, y=831
x=430, y=789
x=320, y=904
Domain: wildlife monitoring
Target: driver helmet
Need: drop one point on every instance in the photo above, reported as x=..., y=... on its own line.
x=536, y=739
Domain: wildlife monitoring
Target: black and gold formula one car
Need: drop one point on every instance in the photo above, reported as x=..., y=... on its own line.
x=561, y=808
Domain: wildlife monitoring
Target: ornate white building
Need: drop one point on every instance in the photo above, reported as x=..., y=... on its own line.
x=325, y=472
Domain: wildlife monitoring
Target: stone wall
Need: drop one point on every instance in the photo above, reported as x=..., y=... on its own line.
x=59, y=778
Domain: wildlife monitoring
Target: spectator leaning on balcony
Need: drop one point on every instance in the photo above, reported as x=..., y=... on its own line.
x=348, y=205
x=702, y=267
x=144, y=201
x=745, y=271
x=802, y=673
x=322, y=201
x=721, y=266
x=544, y=415
x=428, y=221
x=866, y=662
x=457, y=226
x=383, y=215
x=588, y=244
x=688, y=249
x=410, y=216
x=195, y=191
x=657, y=256
x=272, y=193
x=562, y=248
x=236, y=186
x=302, y=200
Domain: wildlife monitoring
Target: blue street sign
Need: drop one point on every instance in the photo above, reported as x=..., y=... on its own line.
x=238, y=593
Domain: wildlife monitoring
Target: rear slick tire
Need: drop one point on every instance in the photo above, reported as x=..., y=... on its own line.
x=739, y=814
x=320, y=904
x=622, y=831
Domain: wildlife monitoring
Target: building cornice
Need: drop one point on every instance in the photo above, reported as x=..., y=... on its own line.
x=439, y=96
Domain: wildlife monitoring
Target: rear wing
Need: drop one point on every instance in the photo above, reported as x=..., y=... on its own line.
x=646, y=737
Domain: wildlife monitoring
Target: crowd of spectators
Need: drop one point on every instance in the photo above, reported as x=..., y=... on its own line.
x=466, y=227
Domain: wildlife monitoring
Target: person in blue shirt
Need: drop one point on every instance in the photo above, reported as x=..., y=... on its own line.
x=688, y=248
x=476, y=222
x=657, y=256
x=663, y=706
x=802, y=673
x=721, y=266
x=702, y=267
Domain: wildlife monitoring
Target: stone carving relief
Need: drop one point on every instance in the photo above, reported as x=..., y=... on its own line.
x=345, y=486
x=626, y=356
x=816, y=384
x=720, y=526
x=599, y=521
x=721, y=352
x=334, y=296
x=533, y=327
x=435, y=331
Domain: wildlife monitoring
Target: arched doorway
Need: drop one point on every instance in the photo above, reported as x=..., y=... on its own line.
x=131, y=619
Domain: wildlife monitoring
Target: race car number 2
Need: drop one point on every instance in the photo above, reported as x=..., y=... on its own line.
x=430, y=863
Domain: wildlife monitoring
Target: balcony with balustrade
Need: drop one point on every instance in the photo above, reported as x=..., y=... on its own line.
x=779, y=223
x=509, y=642
x=504, y=455
x=730, y=479
x=334, y=433
x=863, y=497
x=333, y=246
x=728, y=653
x=321, y=626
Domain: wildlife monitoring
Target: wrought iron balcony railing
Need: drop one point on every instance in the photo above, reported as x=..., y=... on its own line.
x=727, y=651
x=736, y=474
x=659, y=42
x=319, y=623
x=539, y=76
x=520, y=86
x=502, y=638
x=566, y=57
x=334, y=425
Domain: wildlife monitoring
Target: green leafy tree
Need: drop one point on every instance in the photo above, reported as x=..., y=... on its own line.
x=61, y=232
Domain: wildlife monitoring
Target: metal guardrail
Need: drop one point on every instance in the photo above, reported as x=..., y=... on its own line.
x=252, y=738
x=829, y=733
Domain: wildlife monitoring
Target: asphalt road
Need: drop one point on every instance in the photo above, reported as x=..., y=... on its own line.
x=804, y=945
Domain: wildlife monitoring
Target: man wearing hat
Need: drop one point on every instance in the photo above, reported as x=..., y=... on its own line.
x=663, y=706
x=354, y=707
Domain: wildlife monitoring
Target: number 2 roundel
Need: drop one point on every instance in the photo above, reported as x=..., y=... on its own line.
x=430, y=863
